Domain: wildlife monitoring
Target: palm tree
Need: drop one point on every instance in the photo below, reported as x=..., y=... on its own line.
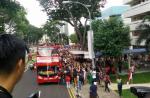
x=144, y=29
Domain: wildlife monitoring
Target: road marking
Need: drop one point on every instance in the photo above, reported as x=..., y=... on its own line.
x=72, y=93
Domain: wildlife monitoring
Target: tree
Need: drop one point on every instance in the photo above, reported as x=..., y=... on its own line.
x=72, y=13
x=51, y=28
x=110, y=36
x=144, y=30
x=21, y=24
x=73, y=38
x=12, y=17
x=64, y=39
x=33, y=35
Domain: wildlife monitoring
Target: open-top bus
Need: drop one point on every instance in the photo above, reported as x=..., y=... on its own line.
x=48, y=64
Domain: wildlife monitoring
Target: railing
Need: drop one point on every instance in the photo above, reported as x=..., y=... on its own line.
x=143, y=7
x=134, y=25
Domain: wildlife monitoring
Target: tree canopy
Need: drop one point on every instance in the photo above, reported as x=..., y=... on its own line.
x=33, y=35
x=72, y=13
x=12, y=17
x=73, y=38
x=52, y=29
x=110, y=36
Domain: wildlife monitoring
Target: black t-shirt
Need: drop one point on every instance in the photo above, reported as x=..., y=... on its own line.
x=75, y=73
x=4, y=93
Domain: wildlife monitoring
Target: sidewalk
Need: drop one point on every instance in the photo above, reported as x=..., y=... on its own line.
x=101, y=92
x=113, y=86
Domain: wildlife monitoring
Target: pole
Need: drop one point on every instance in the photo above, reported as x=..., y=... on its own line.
x=90, y=37
x=129, y=61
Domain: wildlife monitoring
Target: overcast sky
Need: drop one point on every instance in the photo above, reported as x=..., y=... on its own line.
x=37, y=17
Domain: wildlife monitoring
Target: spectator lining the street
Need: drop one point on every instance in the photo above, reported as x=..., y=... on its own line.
x=75, y=77
x=94, y=75
x=120, y=65
x=130, y=76
x=67, y=78
x=93, y=90
x=107, y=82
x=119, y=84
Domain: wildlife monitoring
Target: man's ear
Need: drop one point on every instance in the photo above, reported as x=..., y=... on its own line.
x=20, y=66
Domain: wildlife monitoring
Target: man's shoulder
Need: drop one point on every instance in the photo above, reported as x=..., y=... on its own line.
x=4, y=93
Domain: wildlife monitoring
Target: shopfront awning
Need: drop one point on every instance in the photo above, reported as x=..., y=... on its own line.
x=134, y=51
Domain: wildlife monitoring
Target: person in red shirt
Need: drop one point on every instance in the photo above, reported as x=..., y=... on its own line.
x=129, y=76
x=67, y=78
x=107, y=82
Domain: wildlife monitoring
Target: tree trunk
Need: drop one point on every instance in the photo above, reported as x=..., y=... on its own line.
x=2, y=27
x=79, y=35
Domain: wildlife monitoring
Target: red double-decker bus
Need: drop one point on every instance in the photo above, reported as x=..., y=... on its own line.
x=48, y=64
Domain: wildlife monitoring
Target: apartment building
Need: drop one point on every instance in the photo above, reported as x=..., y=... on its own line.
x=138, y=9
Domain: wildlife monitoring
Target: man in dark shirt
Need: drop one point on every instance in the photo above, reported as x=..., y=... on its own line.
x=12, y=63
x=93, y=90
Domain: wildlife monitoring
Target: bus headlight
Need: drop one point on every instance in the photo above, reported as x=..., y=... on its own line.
x=39, y=77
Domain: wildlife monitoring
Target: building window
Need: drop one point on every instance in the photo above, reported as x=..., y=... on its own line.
x=135, y=33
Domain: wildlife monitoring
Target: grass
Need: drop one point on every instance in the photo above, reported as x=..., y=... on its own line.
x=127, y=94
x=137, y=78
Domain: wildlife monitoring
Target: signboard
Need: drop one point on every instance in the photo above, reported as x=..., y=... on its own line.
x=44, y=59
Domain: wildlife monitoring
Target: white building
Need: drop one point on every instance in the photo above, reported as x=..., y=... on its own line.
x=138, y=9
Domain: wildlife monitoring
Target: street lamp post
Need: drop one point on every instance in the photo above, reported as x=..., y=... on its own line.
x=90, y=32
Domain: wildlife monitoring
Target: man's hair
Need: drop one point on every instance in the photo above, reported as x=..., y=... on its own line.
x=12, y=49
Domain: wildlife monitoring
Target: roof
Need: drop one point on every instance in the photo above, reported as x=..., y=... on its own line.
x=114, y=10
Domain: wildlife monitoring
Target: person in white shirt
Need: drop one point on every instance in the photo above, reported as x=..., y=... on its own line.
x=94, y=75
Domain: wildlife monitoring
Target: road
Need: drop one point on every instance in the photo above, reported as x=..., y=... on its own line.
x=28, y=85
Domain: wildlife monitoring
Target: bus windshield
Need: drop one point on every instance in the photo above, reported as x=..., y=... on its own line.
x=47, y=70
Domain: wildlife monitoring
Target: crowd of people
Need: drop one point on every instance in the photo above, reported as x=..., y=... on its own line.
x=77, y=72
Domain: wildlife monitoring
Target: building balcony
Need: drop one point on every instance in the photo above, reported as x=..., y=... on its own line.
x=141, y=8
x=126, y=1
x=134, y=41
x=133, y=25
